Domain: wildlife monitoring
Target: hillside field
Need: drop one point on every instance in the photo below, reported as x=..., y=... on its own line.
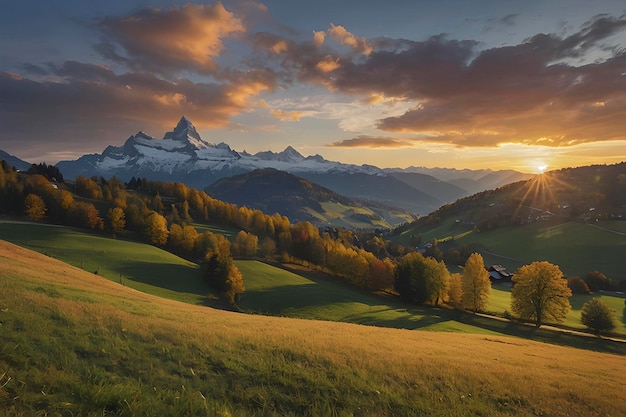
x=136, y=265
x=77, y=344
x=577, y=247
x=297, y=292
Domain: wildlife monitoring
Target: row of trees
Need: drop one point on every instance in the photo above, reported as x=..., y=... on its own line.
x=539, y=294
x=421, y=279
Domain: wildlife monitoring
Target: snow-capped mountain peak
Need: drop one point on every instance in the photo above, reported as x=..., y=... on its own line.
x=182, y=155
x=186, y=133
x=287, y=155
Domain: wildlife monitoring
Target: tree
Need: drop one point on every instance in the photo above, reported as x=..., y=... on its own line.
x=577, y=285
x=420, y=279
x=35, y=207
x=267, y=247
x=246, y=244
x=597, y=316
x=155, y=228
x=437, y=279
x=596, y=280
x=455, y=292
x=540, y=293
x=223, y=275
x=86, y=215
x=117, y=220
x=476, y=284
x=408, y=283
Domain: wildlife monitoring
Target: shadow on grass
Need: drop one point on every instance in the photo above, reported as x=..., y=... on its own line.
x=543, y=335
x=179, y=279
x=326, y=298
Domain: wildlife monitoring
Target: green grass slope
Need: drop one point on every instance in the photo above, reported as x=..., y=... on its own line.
x=136, y=265
x=76, y=344
x=303, y=293
x=577, y=248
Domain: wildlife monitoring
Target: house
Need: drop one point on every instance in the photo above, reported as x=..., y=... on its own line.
x=498, y=273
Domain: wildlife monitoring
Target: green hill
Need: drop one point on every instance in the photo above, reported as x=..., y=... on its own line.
x=74, y=343
x=143, y=267
x=572, y=217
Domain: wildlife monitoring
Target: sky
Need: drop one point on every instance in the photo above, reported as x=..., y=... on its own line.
x=526, y=85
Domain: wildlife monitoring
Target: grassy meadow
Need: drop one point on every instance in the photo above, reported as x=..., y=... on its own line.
x=294, y=291
x=136, y=265
x=576, y=247
x=77, y=344
x=291, y=291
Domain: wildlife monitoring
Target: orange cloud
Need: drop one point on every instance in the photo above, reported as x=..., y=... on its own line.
x=328, y=64
x=92, y=105
x=318, y=38
x=179, y=38
x=290, y=116
x=280, y=46
x=341, y=35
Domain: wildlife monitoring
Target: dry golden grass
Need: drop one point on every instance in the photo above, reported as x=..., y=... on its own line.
x=358, y=370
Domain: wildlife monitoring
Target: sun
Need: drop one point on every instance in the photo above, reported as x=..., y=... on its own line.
x=541, y=168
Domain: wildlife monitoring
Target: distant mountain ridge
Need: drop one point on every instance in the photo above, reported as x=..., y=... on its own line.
x=14, y=161
x=274, y=191
x=182, y=155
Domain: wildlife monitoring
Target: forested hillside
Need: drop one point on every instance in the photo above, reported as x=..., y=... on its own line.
x=274, y=191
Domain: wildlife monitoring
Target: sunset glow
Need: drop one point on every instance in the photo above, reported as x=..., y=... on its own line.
x=529, y=86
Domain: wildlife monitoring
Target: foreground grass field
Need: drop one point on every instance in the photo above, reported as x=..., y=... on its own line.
x=77, y=344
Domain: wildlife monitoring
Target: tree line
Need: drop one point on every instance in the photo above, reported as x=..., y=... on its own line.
x=161, y=213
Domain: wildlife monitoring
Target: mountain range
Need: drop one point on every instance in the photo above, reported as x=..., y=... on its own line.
x=183, y=156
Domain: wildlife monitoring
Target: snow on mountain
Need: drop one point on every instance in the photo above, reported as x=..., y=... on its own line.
x=182, y=155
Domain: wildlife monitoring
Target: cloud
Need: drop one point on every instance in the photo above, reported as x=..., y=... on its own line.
x=170, y=40
x=319, y=37
x=291, y=116
x=365, y=141
x=328, y=64
x=528, y=93
x=341, y=35
x=89, y=106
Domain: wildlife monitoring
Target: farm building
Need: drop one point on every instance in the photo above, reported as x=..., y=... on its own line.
x=498, y=273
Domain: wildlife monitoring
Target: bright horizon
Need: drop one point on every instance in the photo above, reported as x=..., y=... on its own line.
x=529, y=86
